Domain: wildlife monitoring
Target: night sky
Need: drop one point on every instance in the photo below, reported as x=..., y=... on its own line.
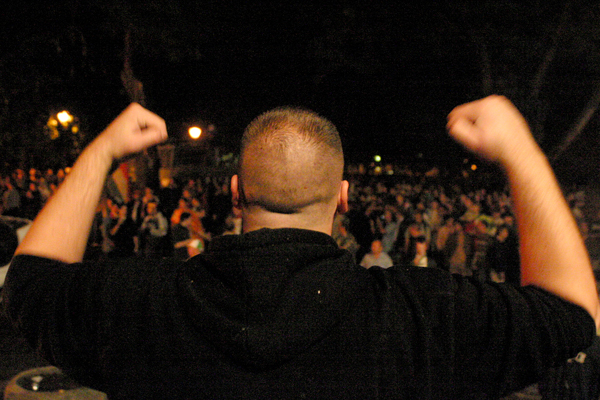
x=382, y=74
x=385, y=74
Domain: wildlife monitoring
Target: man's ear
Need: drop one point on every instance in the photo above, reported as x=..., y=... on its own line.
x=235, y=193
x=342, y=206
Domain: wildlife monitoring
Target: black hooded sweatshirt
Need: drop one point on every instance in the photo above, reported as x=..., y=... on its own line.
x=286, y=314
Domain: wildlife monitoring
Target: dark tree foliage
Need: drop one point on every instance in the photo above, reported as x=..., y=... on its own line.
x=386, y=74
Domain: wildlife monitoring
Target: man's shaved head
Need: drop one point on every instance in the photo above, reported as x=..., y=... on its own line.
x=291, y=158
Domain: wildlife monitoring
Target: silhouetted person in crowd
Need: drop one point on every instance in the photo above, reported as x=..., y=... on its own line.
x=122, y=233
x=359, y=226
x=503, y=256
x=376, y=257
x=32, y=201
x=342, y=235
x=11, y=200
x=421, y=258
x=181, y=236
x=154, y=230
x=280, y=311
x=8, y=245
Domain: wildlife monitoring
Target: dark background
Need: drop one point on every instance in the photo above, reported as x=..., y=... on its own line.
x=386, y=74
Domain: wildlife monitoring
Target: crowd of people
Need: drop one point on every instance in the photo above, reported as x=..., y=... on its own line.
x=142, y=222
x=169, y=222
x=407, y=218
x=422, y=220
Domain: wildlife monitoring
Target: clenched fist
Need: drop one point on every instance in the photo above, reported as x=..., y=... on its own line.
x=134, y=130
x=493, y=128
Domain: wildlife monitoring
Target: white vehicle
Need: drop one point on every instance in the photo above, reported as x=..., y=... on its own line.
x=12, y=231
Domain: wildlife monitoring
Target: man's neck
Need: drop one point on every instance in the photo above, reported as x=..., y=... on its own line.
x=259, y=219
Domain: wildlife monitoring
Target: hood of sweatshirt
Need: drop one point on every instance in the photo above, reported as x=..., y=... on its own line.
x=268, y=295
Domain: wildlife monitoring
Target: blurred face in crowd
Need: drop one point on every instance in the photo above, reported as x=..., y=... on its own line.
x=418, y=217
x=388, y=216
x=376, y=247
x=399, y=199
x=114, y=209
x=503, y=234
x=182, y=203
x=151, y=208
x=421, y=247
x=481, y=227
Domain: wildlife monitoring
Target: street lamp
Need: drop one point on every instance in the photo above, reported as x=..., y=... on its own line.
x=63, y=122
x=195, y=132
x=64, y=118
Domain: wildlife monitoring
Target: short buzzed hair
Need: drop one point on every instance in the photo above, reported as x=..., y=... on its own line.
x=290, y=158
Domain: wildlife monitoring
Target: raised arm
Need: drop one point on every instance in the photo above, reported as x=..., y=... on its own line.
x=61, y=229
x=553, y=255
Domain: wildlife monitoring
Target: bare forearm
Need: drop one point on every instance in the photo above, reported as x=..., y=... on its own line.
x=553, y=255
x=183, y=243
x=61, y=229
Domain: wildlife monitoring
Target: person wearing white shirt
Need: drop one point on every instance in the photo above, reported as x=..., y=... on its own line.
x=377, y=257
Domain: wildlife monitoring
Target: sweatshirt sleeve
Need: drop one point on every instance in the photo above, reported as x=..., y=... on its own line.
x=83, y=317
x=55, y=307
x=508, y=336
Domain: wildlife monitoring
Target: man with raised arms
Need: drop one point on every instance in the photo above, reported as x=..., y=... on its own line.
x=280, y=312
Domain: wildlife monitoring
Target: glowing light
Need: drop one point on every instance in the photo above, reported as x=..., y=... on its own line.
x=377, y=158
x=195, y=132
x=473, y=167
x=64, y=117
